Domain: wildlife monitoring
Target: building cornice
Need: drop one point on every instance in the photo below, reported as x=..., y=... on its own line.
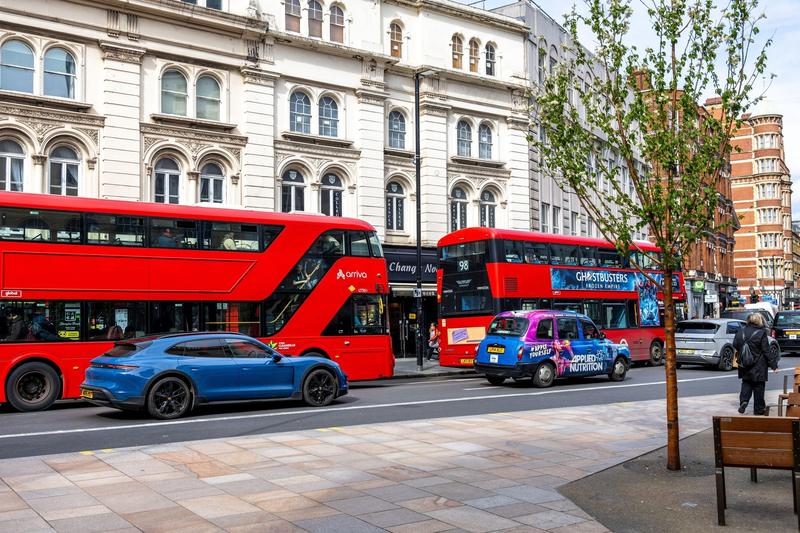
x=465, y=12
x=50, y=115
x=294, y=148
x=119, y=52
x=296, y=40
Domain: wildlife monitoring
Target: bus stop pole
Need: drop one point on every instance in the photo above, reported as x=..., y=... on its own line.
x=418, y=271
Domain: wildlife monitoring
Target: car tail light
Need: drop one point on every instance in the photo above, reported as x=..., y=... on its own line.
x=113, y=366
x=519, y=353
x=772, y=333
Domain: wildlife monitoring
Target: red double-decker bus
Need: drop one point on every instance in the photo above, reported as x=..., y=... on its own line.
x=77, y=274
x=483, y=271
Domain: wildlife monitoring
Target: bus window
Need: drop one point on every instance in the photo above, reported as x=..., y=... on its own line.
x=116, y=320
x=565, y=305
x=527, y=305
x=359, y=245
x=537, y=253
x=513, y=251
x=375, y=244
x=361, y=314
x=564, y=254
x=608, y=258
x=232, y=236
x=169, y=233
x=268, y=234
x=241, y=317
x=330, y=243
x=40, y=321
x=465, y=282
x=588, y=256
x=174, y=316
x=40, y=226
x=114, y=230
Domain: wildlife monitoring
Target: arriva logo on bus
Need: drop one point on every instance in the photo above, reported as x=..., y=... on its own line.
x=353, y=274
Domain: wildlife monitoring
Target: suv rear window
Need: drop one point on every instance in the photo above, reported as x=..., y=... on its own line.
x=510, y=326
x=787, y=320
x=696, y=327
x=121, y=350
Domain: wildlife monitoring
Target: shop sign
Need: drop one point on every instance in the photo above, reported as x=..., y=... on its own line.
x=402, y=264
x=698, y=285
x=711, y=298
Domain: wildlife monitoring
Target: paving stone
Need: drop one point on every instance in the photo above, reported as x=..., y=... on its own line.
x=216, y=506
x=471, y=519
x=274, y=526
x=317, y=511
x=361, y=505
x=290, y=503
x=393, y=517
x=242, y=519
x=135, y=501
x=337, y=524
x=430, y=503
x=428, y=526
x=336, y=493
x=167, y=520
x=54, y=506
x=490, y=502
x=88, y=524
x=459, y=491
x=530, y=494
x=549, y=519
x=397, y=493
x=518, y=509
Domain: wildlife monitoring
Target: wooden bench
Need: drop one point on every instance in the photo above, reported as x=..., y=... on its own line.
x=756, y=442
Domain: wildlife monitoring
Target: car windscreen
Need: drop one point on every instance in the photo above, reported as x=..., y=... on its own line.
x=787, y=320
x=739, y=315
x=510, y=326
x=696, y=327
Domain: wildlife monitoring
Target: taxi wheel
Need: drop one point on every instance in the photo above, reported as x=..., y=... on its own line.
x=545, y=375
x=619, y=370
x=495, y=380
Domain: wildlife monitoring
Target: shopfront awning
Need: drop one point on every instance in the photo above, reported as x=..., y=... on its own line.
x=407, y=289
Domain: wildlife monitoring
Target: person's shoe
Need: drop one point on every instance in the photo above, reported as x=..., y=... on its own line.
x=742, y=408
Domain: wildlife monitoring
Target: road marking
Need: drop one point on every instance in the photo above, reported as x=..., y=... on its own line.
x=439, y=381
x=493, y=387
x=187, y=421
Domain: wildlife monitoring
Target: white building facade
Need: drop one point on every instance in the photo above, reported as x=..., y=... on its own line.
x=293, y=105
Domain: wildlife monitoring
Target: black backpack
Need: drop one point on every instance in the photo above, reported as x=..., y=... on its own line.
x=746, y=359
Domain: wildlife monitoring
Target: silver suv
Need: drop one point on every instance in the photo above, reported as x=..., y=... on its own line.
x=707, y=342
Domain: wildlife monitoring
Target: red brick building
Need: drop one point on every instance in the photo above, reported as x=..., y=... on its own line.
x=762, y=197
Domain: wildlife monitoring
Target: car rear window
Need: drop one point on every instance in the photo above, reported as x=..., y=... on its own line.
x=739, y=315
x=784, y=320
x=696, y=327
x=509, y=326
x=121, y=350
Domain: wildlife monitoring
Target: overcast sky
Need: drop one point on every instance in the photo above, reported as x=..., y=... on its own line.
x=782, y=23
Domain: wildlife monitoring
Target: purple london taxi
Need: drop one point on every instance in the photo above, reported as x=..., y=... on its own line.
x=545, y=345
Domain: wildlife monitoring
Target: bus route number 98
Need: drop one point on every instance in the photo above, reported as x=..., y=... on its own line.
x=463, y=266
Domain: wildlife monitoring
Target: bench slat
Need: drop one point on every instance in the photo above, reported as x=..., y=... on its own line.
x=755, y=423
x=749, y=457
x=753, y=439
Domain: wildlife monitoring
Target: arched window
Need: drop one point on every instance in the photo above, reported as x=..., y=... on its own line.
x=12, y=164
x=59, y=73
x=300, y=112
x=212, y=183
x=292, y=191
x=397, y=130
x=395, y=215
x=542, y=56
x=337, y=24
x=458, y=210
x=314, y=19
x=167, y=181
x=64, y=168
x=328, y=117
x=464, y=139
x=484, y=141
x=173, y=93
x=458, y=51
x=396, y=39
x=491, y=59
x=331, y=195
x=488, y=206
x=553, y=60
x=209, y=98
x=16, y=67
x=292, y=15
x=474, y=55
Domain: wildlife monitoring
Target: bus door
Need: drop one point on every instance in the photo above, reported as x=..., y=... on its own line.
x=358, y=334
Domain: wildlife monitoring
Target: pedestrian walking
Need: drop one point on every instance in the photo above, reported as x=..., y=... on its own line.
x=753, y=358
x=433, y=340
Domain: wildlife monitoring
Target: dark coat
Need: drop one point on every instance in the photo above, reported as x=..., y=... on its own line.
x=759, y=346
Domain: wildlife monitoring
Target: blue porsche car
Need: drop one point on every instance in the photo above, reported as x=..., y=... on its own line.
x=169, y=375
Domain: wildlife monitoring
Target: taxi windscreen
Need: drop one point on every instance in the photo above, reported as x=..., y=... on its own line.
x=510, y=326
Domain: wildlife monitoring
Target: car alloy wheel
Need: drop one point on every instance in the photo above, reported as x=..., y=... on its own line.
x=169, y=398
x=726, y=359
x=319, y=389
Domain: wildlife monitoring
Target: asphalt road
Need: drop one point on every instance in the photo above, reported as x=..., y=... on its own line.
x=77, y=426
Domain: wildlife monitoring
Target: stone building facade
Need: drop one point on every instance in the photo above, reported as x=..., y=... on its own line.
x=294, y=105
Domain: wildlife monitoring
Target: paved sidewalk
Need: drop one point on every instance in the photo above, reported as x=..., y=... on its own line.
x=406, y=367
x=478, y=473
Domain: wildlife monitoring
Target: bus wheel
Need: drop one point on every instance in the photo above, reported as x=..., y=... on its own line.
x=33, y=387
x=726, y=359
x=495, y=380
x=656, y=354
x=619, y=370
x=545, y=375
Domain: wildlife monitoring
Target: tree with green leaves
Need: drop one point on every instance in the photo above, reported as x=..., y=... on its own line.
x=639, y=105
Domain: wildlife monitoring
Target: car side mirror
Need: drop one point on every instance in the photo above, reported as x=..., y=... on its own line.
x=602, y=335
x=276, y=357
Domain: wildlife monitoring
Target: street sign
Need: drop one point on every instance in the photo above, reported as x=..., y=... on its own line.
x=417, y=293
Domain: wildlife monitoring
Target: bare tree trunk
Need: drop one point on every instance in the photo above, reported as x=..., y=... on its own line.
x=673, y=433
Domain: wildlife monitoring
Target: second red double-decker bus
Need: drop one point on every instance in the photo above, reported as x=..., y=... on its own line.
x=483, y=271
x=78, y=274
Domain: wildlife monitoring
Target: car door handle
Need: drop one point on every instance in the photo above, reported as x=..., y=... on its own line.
x=245, y=368
x=347, y=343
